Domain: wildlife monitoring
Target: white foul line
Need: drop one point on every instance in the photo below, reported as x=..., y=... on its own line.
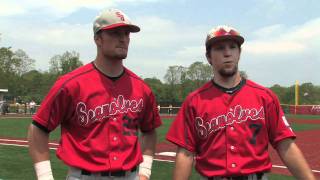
x=24, y=141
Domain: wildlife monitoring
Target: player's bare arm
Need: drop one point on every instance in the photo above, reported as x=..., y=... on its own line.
x=183, y=166
x=148, y=142
x=294, y=159
x=39, y=152
x=148, y=145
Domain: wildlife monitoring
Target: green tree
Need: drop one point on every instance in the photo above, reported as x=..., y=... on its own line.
x=23, y=63
x=174, y=74
x=62, y=64
x=157, y=88
x=6, y=65
x=12, y=66
x=280, y=92
x=309, y=94
x=17, y=62
x=173, y=78
x=199, y=73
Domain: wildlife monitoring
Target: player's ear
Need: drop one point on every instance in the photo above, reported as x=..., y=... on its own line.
x=97, y=39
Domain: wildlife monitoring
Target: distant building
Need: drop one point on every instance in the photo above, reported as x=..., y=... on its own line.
x=2, y=91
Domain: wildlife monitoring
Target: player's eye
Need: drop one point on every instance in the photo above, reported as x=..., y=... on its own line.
x=219, y=47
x=233, y=46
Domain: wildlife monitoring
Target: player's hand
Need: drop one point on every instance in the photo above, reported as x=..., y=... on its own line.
x=142, y=177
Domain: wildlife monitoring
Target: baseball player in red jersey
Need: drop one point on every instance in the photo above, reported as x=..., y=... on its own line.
x=100, y=107
x=226, y=124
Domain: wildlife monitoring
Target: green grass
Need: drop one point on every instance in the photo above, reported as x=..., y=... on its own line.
x=163, y=129
x=16, y=165
x=14, y=127
x=301, y=116
x=15, y=162
x=18, y=128
x=304, y=127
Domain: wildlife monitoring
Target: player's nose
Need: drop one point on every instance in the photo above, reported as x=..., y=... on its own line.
x=227, y=52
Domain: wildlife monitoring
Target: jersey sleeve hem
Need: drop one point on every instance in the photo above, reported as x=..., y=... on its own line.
x=44, y=129
x=276, y=142
x=181, y=144
x=37, y=121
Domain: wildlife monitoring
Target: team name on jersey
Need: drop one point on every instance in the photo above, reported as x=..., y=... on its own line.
x=118, y=105
x=235, y=115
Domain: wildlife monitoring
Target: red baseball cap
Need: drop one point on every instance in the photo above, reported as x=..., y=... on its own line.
x=113, y=18
x=223, y=32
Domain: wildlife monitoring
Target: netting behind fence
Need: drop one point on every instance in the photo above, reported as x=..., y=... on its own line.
x=287, y=108
x=301, y=109
x=169, y=110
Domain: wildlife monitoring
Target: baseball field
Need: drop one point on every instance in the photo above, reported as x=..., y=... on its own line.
x=15, y=163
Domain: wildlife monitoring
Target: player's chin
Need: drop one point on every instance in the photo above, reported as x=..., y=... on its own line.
x=121, y=56
x=228, y=72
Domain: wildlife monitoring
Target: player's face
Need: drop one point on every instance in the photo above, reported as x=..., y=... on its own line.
x=224, y=57
x=113, y=43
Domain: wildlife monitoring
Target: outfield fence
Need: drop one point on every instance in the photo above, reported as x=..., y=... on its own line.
x=287, y=108
x=301, y=109
x=17, y=109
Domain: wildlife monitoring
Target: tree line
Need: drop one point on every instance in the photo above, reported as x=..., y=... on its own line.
x=25, y=83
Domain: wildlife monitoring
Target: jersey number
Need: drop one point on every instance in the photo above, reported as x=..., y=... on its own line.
x=131, y=126
x=256, y=129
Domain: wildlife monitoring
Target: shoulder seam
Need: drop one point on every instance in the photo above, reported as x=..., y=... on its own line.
x=137, y=78
x=201, y=91
x=263, y=89
x=75, y=76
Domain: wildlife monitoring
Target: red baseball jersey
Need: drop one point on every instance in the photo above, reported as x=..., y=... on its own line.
x=100, y=118
x=229, y=132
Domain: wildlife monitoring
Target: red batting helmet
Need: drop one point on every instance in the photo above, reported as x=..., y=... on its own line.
x=221, y=33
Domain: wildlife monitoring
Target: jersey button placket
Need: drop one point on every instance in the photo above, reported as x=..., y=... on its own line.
x=114, y=140
x=232, y=151
x=233, y=165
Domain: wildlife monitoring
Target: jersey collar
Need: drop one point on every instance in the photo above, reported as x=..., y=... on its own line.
x=230, y=90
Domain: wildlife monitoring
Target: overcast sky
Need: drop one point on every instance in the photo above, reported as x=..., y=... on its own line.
x=282, y=38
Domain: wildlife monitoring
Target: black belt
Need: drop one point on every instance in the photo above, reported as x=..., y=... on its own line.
x=246, y=177
x=108, y=173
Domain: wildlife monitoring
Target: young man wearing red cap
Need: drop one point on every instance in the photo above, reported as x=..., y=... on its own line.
x=100, y=107
x=227, y=124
